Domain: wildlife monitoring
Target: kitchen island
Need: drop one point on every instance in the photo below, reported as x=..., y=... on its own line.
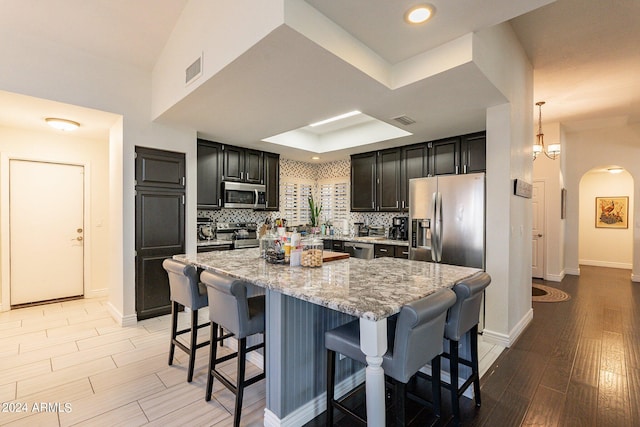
x=302, y=303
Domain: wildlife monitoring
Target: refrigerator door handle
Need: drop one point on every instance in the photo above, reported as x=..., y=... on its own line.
x=434, y=230
x=438, y=227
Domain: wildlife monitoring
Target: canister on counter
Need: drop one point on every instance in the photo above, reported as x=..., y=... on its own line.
x=311, y=252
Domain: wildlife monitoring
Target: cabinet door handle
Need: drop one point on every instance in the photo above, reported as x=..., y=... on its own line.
x=220, y=202
x=382, y=250
x=403, y=204
x=396, y=204
x=464, y=169
x=457, y=169
x=242, y=175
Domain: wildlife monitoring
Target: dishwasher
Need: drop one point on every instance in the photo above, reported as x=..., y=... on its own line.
x=359, y=250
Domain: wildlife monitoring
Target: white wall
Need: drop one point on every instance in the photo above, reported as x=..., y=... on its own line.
x=52, y=147
x=593, y=149
x=40, y=68
x=499, y=55
x=604, y=247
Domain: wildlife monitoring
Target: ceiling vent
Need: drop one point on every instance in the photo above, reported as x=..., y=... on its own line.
x=404, y=120
x=193, y=71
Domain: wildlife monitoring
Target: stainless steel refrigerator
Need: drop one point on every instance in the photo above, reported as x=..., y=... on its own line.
x=447, y=219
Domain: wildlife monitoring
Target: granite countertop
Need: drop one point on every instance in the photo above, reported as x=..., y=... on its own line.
x=372, y=289
x=214, y=242
x=368, y=239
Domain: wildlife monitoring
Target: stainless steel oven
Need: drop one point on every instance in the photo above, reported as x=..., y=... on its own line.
x=243, y=195
x=240, y=234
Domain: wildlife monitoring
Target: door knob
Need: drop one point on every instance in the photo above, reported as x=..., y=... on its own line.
x=79, y=238
x=539, y=235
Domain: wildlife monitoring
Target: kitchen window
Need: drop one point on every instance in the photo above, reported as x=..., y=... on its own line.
x=334, y=196
x=295, y=201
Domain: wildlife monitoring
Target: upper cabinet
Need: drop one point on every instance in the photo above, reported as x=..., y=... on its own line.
x=413, y=164
x=380, y=179
x=209, y=174
x=388, y=180
x=242, y=165
x=473, y=148
x=218, y=162
x=363, y=182
x=272, y=181
x=458, y=155
x=155, y=168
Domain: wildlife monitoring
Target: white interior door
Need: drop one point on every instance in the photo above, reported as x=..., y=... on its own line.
x=46, y=211
x=537, y=250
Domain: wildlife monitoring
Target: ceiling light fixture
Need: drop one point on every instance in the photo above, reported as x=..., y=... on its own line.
x=615, y=170
x=419, y=14
x=336, y=118
x=62, y=124
x=553, y=150
x=315, y=158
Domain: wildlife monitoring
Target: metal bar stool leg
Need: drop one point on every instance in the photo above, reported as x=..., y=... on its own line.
x=435, y=385
x=474, y=365
x=240, y=383
x=194, y=343
x=174, y=329
x=213, y=350
x=454, y=368
x=331, y=372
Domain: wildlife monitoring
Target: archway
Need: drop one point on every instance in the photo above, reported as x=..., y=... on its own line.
x=605, y=235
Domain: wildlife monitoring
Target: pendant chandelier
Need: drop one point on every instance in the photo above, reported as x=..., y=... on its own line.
x=553, y=150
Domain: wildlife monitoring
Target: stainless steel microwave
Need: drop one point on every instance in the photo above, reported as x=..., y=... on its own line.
x=243, y=195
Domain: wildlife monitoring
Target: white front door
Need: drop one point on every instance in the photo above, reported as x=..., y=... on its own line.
x=46, y=211
x=537, y=250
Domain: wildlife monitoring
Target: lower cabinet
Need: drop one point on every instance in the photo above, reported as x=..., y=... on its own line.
x=337, y=245
x=402, y=252
x=380, y=251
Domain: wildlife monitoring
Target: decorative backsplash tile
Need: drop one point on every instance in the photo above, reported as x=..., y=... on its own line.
x=297, y=169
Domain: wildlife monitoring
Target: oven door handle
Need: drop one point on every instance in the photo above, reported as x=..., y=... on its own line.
x=255, y=204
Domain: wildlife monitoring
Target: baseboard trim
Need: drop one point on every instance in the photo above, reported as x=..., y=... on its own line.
x=608, y=264
x=555, y=277
x=97, y=293
x=5, y=307
x=122, y=320
x=635, y=277
x=508, y=340
x=314, y=407
x=572, y=271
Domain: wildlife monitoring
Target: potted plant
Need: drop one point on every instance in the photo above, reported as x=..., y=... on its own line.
x=314, y=211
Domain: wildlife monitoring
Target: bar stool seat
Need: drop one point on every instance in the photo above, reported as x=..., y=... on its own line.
x=463, y=318
x=240, y=315
x=186, y=290
x=414, y=339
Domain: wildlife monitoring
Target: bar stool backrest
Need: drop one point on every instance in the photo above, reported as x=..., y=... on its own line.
x=465, y=313
x=419, y=332
x=184, y=284
x=228, y=303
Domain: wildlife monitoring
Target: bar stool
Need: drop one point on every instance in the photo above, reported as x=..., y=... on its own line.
x=415, y=341
x=462, y=318
x=242, y=316
x=186, y=290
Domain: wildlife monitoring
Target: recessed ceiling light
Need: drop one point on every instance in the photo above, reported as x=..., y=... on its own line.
x=62, y=124
x=615, y=170
x=315, y=158
x=419, y=14
x=336, y=118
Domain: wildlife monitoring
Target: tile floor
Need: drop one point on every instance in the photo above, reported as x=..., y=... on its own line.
x=86, y=370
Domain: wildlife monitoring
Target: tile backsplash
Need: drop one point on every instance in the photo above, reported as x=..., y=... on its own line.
x=297, y=169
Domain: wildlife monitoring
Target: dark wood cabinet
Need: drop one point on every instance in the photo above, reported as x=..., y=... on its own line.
x=380, y=251
x=363, y=182
x=388, y=180
x=473, y=149
x=209, y=175
x=444, y=156
x=158, y=168
x=242, y=165
x=413, y=164
x=272, y=181
x=337, y=246
x=159, y=226
x=401, y=252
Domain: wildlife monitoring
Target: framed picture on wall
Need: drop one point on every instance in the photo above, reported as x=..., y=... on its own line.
x=612, y=212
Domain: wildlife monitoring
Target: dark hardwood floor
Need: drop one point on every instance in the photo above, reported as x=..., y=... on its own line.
x=577, y=363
